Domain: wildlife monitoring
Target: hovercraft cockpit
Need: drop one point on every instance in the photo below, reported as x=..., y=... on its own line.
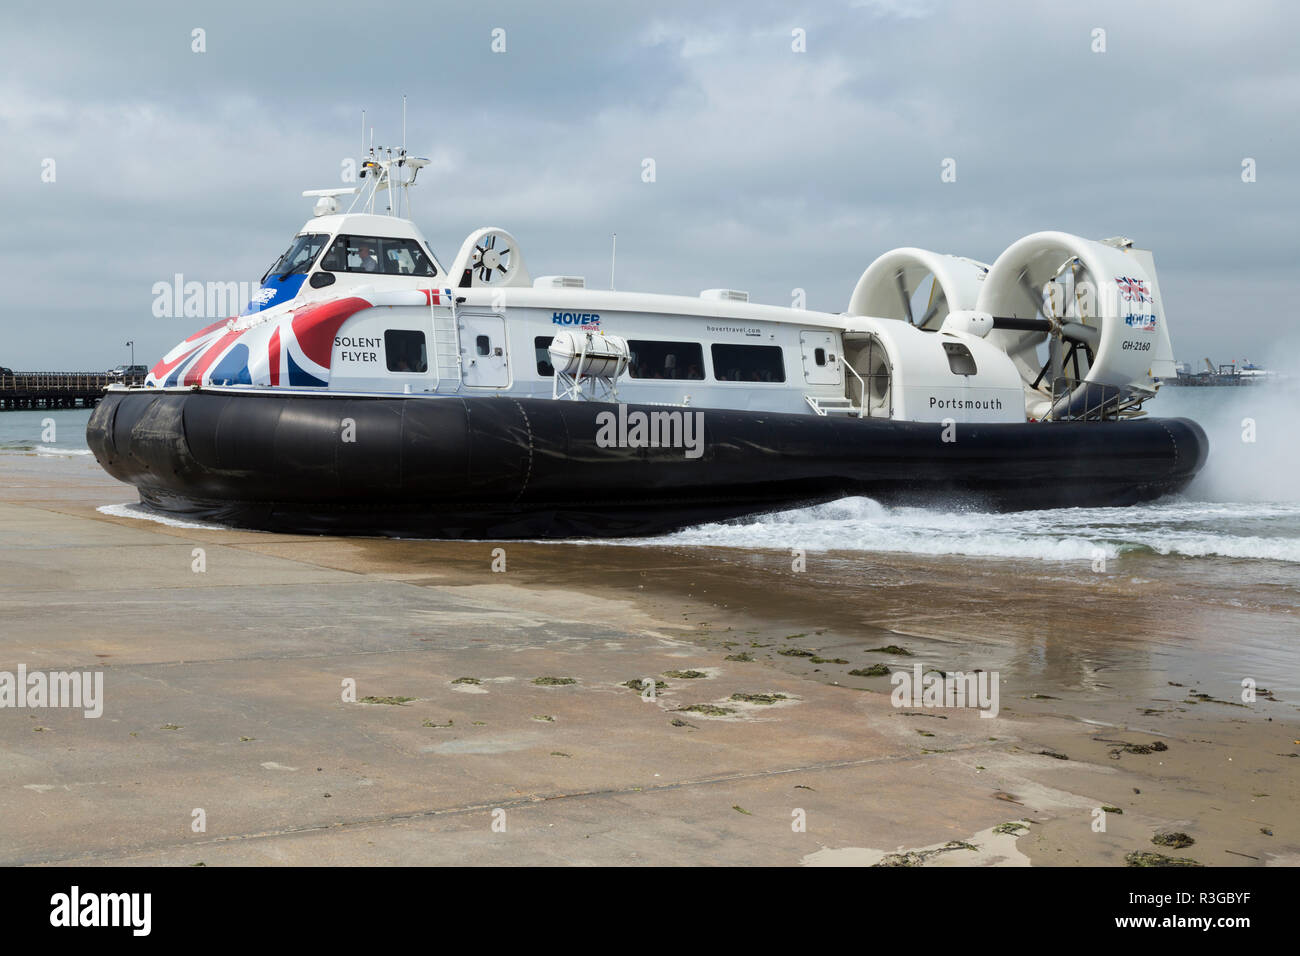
x=341, y=251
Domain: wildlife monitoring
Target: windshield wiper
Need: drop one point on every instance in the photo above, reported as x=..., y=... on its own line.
x=301, y=266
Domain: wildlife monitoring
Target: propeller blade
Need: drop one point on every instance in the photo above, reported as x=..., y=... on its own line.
x=1054, y=356
x=1078, y=332
x=501, y=268
x=934, y=308
x=1035, y=295
x=490, y=242
x=907, y=299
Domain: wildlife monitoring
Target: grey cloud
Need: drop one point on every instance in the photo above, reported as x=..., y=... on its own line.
x=775, y=170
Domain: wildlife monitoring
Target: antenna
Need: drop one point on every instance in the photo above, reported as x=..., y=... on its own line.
x=403, y=163
x=612, y=253
x=363, y=134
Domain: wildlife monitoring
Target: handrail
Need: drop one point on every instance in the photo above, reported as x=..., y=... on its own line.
x=1101, y=402
x=862, y=387
x=885, y=375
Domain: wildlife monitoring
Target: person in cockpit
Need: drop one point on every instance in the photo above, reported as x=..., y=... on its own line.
x=368, y=261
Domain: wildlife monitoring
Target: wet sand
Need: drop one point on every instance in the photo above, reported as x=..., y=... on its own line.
x=224, y=693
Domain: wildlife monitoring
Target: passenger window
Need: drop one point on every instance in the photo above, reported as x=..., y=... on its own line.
x=483, y=344
x=959, y=358
x=749, y=363
x=541, y=346
x=404, y=351
x=667, y=360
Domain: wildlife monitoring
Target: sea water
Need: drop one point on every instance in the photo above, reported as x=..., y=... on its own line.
x=1244, y=504
x=44, y=432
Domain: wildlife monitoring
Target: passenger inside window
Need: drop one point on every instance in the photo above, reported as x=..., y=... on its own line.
x=366, y=261
x=405, y=351
x=541, y=348
x=748, y=363
x=397, y=257
x=666, y=360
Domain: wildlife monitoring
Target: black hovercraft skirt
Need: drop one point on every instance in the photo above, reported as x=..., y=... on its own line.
x=500, y=467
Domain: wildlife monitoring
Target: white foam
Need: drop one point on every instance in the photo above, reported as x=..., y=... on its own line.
x=49, y=450
x=1230, y=546
x=1191, y=529
x=140, y=512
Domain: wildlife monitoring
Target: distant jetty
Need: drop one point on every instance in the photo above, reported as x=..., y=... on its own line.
x=1247, y=373
x=58, y=389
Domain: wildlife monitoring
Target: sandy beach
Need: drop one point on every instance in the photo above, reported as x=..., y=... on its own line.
x=493, y=721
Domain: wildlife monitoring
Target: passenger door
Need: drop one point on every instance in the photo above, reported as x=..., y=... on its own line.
x=821, y=358
x=485, y=357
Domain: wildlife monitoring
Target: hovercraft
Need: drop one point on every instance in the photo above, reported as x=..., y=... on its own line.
x=366, y=389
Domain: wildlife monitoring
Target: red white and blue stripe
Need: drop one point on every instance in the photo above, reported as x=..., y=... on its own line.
x=293, y=349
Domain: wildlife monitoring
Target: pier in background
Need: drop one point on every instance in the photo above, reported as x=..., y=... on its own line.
x=58, y=389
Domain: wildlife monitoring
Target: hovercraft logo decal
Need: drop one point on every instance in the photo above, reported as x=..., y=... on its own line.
x=1137, y=292
x=275, y=290
x=581, y=319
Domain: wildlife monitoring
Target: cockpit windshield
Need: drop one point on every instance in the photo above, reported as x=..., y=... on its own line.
x=299, y=256
x=394, y=257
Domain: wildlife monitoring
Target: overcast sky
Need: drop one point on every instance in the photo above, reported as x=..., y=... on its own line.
x=775, y=169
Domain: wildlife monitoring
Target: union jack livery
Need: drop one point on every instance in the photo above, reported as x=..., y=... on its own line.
x=1133, y=290
x=290, y=346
